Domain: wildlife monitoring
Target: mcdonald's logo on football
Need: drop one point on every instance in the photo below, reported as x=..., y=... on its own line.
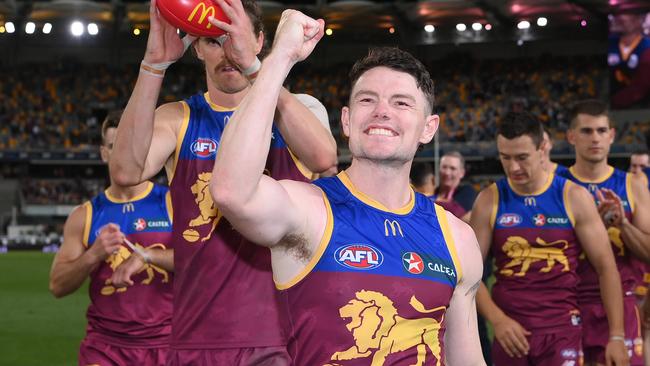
x=205, y=12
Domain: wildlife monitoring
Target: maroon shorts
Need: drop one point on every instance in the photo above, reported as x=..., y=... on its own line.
x=562, y=347
x=259, y=356
x=97, y=353
x=596, y=331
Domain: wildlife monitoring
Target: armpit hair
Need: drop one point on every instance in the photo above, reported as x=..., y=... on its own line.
x=296, y=246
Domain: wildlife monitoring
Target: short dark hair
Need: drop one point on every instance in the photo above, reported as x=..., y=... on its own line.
x=398, y=60
x=515, y=124
x=112, y=120
x=254, y=12
x=419, y=172
x=590, y=107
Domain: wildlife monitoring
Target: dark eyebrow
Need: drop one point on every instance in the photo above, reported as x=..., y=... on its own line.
x=365, y=92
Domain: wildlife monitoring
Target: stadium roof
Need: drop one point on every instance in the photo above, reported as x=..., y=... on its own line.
x=365, y=18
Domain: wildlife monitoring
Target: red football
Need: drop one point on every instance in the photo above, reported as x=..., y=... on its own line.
x=191, y=16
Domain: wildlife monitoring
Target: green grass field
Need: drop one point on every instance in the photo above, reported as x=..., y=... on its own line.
x=35, y=328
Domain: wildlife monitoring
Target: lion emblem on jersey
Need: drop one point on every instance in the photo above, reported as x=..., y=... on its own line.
x=523, y=254
x=614, y=234
x=379, y=331
x=208, y=213
x=116, y=259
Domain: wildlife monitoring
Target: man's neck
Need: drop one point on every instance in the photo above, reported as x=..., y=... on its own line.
x=535, y=186
x=591, y=171
x=123, y=193
x=223, y=99
x=385, y=184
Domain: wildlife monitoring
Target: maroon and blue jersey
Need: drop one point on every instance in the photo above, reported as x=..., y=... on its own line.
x=224, y=296
x=619, y=182
x=536, y=254
x=139, y=315
x=377, y=289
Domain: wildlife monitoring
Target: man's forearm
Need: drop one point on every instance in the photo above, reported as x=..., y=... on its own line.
x=248, y=130
x=637, y=241
x=163, y=258
x=135, y=132
x=486, y=306
x=612, y=296
x=67, y=277
x=312, y=143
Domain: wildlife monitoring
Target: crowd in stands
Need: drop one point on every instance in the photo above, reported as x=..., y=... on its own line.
x=49, y=106
x=59, y=191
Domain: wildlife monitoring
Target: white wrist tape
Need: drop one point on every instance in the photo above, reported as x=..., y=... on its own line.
x=159, y=68
x=146, y=257
x=253, y=69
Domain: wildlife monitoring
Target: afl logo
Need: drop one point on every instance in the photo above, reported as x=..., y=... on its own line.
x=509, y=219
x=359, y=256
x=413, y=263
x=140, y=224
x=204, y=147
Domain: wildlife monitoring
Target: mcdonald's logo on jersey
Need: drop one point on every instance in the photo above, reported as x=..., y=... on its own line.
x=395, y=228
x=530, y=201
x=128, y=207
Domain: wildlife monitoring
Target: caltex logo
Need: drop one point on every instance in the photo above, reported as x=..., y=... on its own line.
x=539, y=220
x=413, y=263
x=140, y=224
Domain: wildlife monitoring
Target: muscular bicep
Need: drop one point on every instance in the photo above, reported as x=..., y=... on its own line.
x=73, y=237
x=277, y=210
x=641, y=213
x=481, y=218
x=168, y=125
x=462, y=341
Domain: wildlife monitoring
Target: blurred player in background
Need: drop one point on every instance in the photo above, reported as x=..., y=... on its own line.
x=639, y=160
x=225, y=306
x=624, y=206
x=628, y=57
x=126, y=326
x=552, y=167
x=536, y=225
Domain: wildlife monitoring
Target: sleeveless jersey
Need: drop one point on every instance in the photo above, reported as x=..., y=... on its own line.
x=139, y=315
x=536, y=255
x=559, y=169
x=377, y=289
x=619, y=182
x=224, y=296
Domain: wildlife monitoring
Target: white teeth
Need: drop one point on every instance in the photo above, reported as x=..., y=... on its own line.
x=380, y=131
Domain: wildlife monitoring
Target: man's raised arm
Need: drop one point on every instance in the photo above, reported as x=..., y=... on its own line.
x=141, y=147
x=262, y=209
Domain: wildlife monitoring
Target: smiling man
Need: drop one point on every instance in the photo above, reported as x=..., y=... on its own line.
x=371, y=272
